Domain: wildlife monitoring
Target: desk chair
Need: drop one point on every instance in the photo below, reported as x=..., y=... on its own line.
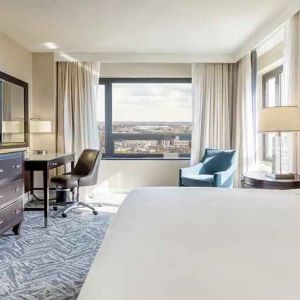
x=85, y=173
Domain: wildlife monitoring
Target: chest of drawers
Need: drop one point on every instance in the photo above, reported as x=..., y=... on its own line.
x=11, y=191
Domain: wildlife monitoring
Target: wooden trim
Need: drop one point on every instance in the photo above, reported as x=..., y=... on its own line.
x=23, y=84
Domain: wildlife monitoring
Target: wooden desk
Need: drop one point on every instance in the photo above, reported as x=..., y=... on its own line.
x=259, y=180
x=45, y=163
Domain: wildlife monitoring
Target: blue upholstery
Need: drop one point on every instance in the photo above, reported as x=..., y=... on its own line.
x=216, y=169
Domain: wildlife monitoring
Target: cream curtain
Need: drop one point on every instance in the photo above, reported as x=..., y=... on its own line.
x=291, y=70
x=212, y=107
x=223, y=111
x=76, y=106
x=243, y=130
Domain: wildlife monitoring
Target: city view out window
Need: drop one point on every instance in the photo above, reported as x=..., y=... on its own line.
x=145, y=118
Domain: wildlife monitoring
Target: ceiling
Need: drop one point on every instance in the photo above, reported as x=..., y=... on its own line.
x=137, y=26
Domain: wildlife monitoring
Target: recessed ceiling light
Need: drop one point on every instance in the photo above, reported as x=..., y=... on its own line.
x=50, y=45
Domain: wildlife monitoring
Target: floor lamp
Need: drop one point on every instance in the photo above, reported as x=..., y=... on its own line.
x=279, y=119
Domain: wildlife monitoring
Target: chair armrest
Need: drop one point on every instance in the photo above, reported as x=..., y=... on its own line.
x=191, y=170
x=221, y=178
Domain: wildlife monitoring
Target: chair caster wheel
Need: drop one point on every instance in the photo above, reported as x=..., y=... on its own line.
x=95, y=212
x=55, y=208
x=64, y=215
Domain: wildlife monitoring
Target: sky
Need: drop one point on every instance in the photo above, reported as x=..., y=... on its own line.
x=144, y=102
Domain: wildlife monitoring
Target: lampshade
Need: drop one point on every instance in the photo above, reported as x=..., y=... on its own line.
x=13, y=126
x=279, y=119
x=38, y=126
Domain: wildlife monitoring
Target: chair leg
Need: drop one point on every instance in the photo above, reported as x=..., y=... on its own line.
x=180, y=179
x=68, y=208
x=88, y=206
x=77, y=204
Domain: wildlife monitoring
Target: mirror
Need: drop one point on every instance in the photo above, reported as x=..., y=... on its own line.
x=13, y=111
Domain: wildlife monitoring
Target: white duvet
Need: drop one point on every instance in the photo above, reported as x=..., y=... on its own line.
x=200, y=244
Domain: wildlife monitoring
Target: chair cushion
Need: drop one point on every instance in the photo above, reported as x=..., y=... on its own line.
x=201, y=180
x=67, y=181
x=217, y=163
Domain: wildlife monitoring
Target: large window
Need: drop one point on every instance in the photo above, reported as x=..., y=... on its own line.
x=145, y=117
x=272, y=96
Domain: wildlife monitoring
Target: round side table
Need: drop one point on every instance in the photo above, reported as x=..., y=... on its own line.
x=259, y=180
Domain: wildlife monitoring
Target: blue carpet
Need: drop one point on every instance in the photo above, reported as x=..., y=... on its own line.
x=50, y=263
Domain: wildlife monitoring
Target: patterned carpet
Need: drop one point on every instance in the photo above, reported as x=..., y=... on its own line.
x=52, y=263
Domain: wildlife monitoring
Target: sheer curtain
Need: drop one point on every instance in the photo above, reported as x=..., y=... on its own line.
x=223, y=111
x=212, y=107
x=76, y=95
x=244, y=122
x=291, y=71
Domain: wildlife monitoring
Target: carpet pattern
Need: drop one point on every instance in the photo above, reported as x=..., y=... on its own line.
x=50, y=263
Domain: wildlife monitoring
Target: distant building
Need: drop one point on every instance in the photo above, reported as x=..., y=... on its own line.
x=180, y=143
x=166, y=143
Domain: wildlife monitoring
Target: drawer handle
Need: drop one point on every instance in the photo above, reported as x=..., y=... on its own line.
x=16, y=189
x=1, y=221
x=1, y=170
x=16, y=166
x=54, y=164
x=17, y=211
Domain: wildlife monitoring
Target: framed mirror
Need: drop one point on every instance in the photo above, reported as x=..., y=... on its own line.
x=13, y=112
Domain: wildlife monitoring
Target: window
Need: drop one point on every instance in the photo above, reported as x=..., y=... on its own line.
x=146, y=117
x=100, y=115
x=272, y=96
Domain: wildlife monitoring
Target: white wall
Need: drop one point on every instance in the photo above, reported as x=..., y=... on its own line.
x=146, y=70
x=124, y=175
x=16, y=61
x=44, y=99
x=271, y=59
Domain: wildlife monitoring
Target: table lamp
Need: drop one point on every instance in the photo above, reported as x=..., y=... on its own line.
x=39, y=126
x=279, y=119
x=12, y=126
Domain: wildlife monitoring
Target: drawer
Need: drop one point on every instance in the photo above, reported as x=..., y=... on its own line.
x=59, y=162
x=11, y=191
x=11, y=215
x=11, y=168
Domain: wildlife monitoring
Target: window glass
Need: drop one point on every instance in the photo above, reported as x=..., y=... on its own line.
x=272, y=97
x=270, y=92
x=100, y=114
x=157, y=117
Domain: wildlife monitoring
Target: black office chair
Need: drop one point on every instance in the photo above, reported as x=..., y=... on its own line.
x=85, y=173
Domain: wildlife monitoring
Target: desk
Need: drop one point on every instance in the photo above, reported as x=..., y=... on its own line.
x=45, y=163
x=259, y=180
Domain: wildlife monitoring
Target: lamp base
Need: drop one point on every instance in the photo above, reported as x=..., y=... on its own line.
x=281, y=176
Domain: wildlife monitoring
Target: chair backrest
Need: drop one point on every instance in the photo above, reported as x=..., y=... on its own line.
x=215, y=160
x=88, y=165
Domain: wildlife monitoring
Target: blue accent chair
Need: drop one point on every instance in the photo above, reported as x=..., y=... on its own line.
x=216, y=169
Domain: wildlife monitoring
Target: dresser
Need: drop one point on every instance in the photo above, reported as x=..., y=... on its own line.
x=11, y=191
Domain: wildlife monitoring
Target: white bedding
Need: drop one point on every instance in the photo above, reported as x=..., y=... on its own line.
x=200, y=244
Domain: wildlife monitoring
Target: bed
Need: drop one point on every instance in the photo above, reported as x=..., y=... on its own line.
x=200, y=244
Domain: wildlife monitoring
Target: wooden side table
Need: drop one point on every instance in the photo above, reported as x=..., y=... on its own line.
x=259, y=180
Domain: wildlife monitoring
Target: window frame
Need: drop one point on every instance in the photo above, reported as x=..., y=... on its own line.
x=277, y=72
x=110, y=137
